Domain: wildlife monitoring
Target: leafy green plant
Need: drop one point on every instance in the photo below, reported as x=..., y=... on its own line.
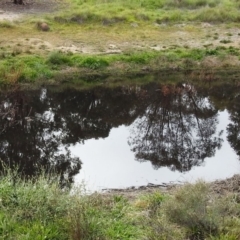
x=225, y=41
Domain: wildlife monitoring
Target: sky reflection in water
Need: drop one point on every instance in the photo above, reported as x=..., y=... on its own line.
x=110, y=163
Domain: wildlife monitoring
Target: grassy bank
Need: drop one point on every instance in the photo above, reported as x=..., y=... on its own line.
x=98, y=37
x=39, y=209
x=111, y=12
x=58, y=67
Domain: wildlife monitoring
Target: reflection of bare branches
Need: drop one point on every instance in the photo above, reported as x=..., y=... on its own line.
x=32, y=145
x=177, y=129
x=233, y=129
x=9, y=115
x=14, y=112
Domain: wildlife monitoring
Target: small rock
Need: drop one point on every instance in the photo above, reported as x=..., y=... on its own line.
x=43, y=26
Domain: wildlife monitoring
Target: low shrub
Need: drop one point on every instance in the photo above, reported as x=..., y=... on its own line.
x=94, y=63
x=59, y=58
x=196, y=209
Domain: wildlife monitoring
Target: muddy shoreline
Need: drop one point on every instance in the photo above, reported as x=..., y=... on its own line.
x=219, y=187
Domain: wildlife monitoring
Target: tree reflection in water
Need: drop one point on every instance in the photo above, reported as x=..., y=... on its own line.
x=32, y=140
x=174, y=126
x=37, y=127
x=226, y=97
x=233, y=128
x=178, y=129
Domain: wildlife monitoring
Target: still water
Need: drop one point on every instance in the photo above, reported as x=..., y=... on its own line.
x=119, y=168
x=126, y=136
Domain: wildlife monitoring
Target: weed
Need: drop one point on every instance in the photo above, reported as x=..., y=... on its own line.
x=93, y=63
x=138, y=58
x=16, y=51
x=188, y=64
x=223, y=236
x=159, y=228
x=32, y=210
x=197, y=210
x=233, y=51
x=192, y=211
x=10, y=74
x=225, y=41
x=84, y=224
x=6, y=24
x=58, y=58
x=103, y=218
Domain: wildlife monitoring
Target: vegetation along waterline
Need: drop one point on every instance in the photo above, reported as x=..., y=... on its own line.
x=48, y=40
x=40, y=209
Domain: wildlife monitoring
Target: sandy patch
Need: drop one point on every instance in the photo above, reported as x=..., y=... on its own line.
x=9, y=16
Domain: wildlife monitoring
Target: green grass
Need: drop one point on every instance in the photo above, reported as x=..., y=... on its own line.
x=33, y=68
x=82, y=21
x=90, y=62
x=115, y=11
x=40, y=209
x=32, y=209
x=6, y=24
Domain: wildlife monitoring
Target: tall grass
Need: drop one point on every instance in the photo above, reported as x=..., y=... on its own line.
x=32, y=209
x=40, y=209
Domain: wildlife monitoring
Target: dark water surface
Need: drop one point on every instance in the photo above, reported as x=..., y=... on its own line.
x=114, y=138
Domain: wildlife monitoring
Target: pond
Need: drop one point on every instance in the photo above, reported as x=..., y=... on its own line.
x=124, y=136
